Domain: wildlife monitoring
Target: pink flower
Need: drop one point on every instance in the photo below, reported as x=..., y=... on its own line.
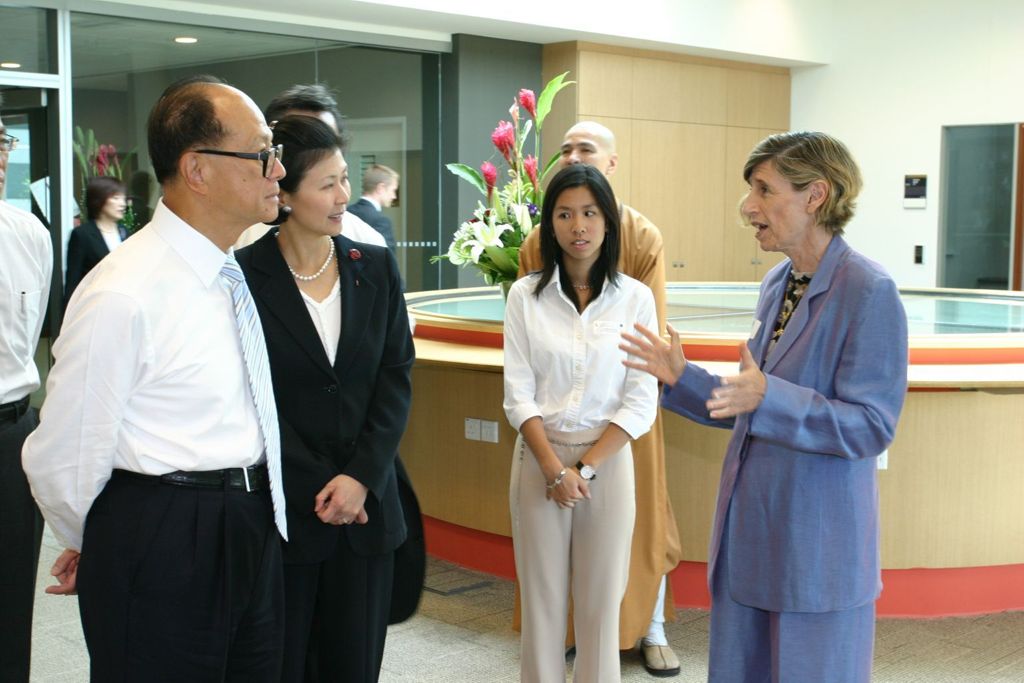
x=354, y=254
x=530, y=165
x=529, y=101
x=504, y=138
x=490, y=174
x=106, y=155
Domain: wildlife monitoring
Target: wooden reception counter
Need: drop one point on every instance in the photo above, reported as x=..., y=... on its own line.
x=952, y=491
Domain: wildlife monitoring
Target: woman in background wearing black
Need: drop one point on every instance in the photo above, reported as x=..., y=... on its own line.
x=91, y=241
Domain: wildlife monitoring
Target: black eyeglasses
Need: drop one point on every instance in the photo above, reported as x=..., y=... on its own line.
x=267, y=156
x=8, y=143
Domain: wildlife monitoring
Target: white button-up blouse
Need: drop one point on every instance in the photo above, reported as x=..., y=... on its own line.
x=567, y=367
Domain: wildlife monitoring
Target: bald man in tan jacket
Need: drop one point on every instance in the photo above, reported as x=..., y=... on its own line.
x=656, y=551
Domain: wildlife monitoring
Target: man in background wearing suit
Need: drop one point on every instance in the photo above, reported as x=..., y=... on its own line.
x=26, y=264
x=380, y=187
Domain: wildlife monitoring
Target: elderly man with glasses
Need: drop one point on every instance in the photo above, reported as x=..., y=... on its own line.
x=26, y=262
x=157, y=461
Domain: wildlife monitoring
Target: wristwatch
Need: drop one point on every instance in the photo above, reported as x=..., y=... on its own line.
x=587, y=472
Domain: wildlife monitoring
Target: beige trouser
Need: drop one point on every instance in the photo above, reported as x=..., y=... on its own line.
x=587, y=546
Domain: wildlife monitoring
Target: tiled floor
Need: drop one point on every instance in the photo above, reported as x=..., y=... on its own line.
x=462, y=635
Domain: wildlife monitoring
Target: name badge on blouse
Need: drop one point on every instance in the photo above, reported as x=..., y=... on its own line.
x=604, y=327
x=754, y=328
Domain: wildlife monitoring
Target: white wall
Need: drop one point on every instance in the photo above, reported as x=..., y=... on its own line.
x=775, y=30
x=899, y=72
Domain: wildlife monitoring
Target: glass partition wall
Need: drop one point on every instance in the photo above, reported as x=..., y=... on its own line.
x=121, y=65
x=114, y=68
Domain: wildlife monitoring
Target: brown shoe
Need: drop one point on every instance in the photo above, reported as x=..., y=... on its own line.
x=660, y=660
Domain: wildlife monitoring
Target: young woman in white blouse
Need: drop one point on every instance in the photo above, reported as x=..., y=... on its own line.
x=577, y=408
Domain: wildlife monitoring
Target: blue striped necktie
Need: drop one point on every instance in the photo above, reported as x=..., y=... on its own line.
x=254, y=351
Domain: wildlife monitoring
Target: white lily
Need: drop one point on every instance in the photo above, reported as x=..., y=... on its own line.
x=486, y=234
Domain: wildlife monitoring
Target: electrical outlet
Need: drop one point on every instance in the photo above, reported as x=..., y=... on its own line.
x=883, y=460
x=489, y=431
x=918, y=254
x=473, y=428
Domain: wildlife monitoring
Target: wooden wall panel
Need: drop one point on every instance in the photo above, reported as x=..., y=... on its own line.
x=757, y=100
x=684, y=126
x=559, y=58
x=693, y=464
x=952, y=494
x=679, y=187
x=605, y=85
x=466, y=484
x=774, y=103
x=675, y=91
x=740, y=249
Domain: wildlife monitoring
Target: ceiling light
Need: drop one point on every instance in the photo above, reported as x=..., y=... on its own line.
x=186, y=40
x=9, y=65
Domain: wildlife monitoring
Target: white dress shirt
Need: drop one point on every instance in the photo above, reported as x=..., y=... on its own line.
x=352, y=227
x=149, y=375
x=26, y=263
x=567, y=367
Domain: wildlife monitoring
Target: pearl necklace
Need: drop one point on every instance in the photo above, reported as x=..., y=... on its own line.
x=310, y=278
x=576, y=286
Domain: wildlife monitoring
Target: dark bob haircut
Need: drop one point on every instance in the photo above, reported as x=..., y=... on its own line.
x=607, y=263
x=97, y=191
x=181, y=119
x=307, y=141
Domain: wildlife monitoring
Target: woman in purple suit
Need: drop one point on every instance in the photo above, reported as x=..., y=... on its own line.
x=793, y=564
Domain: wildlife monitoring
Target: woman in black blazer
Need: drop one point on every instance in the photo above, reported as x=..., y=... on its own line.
x=91, y=241
x=340, y=354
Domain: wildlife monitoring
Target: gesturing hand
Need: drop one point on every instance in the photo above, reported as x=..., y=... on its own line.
x=740, y=393
x=664, y=360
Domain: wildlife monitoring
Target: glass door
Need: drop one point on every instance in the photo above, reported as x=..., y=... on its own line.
x=977, y=216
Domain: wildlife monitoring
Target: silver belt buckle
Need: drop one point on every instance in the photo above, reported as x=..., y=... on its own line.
x=245, y=475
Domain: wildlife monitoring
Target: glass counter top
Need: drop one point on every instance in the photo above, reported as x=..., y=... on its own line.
x=727, y=309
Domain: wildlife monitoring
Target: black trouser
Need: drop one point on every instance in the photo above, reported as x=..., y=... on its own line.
x=181, y=584
x=337, y=617
x=21, y=529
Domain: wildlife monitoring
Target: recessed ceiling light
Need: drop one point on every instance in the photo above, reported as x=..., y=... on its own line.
x=9, y=65
x=186, y=40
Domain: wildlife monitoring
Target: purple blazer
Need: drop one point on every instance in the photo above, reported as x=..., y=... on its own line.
x=799, y=479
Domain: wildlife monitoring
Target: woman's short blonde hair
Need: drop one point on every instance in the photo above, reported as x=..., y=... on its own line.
x=804, y=157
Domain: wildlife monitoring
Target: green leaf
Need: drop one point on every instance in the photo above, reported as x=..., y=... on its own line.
x=470, y=175
x=547, y=96
x=501, y=260
x=548, y=167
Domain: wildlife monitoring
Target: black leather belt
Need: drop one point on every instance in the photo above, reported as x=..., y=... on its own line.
x=253, y=478
x=12, y=412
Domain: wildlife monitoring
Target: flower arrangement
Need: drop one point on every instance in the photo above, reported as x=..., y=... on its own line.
x=96, y=160
x=491, y=239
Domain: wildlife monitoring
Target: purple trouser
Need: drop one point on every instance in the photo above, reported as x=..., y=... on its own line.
x=750, y=645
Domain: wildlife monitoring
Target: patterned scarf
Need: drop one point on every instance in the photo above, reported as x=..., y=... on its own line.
x=795, y=288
